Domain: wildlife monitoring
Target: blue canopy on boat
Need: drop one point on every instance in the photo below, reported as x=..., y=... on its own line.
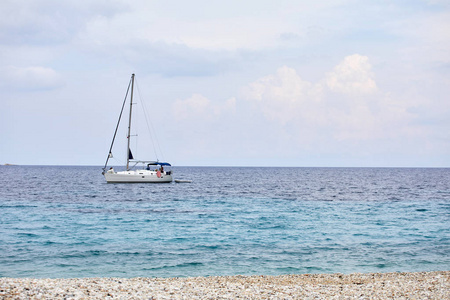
x=158, y=163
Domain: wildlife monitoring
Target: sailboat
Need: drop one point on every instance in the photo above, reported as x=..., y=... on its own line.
x=150, y=171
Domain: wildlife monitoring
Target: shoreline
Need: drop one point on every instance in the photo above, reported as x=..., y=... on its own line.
x=417, y=285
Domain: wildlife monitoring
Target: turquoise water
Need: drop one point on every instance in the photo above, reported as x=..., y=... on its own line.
x=68, y=222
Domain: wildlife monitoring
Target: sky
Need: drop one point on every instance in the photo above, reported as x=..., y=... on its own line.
x=339, y=83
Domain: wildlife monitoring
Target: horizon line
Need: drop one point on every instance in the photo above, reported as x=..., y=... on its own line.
x=236, y=166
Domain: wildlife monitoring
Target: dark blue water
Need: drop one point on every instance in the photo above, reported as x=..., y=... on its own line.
x=68, y=222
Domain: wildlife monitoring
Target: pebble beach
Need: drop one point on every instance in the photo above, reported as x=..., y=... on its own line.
x=415, y=285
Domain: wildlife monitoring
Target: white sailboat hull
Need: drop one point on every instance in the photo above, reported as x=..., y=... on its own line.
x=136, y=176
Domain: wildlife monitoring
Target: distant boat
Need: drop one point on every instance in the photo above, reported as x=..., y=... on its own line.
x=144, y=173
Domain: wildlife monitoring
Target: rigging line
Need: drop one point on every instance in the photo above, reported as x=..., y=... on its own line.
x=117, y=126
x=118, y=161
x=150, y=128
x=136, y=128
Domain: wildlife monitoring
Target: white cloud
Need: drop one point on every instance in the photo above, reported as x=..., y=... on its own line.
x=352, y=76
x=345, y=105
x=283, y=96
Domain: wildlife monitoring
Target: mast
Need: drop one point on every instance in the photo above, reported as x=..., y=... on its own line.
x=129, y=123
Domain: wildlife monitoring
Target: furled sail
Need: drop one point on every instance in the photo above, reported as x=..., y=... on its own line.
x=130, y=155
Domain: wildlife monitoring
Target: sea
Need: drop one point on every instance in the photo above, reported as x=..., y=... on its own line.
x=66, y=221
